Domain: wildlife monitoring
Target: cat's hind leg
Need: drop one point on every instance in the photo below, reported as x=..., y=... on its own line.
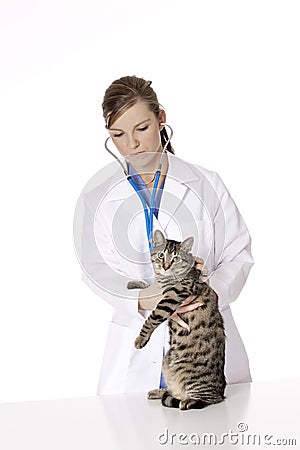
x=170, y=401
x=190, y=403
x=156, y=393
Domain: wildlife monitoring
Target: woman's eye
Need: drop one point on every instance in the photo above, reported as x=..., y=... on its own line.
x=118, y=135
x=143, y=128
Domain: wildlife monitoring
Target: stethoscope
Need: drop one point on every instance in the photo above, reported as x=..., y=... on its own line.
x=148, y=215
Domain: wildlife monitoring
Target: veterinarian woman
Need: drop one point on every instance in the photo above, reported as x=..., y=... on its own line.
x=115, y=232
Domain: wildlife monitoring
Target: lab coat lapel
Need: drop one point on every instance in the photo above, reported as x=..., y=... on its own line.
x=179, y=173
x=119, y=188
x=176, y=188
x=121, y=195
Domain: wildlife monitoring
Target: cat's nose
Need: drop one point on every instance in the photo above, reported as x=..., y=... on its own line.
x=167, y=265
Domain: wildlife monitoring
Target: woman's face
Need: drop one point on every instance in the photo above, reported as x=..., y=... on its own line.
x=137, y=132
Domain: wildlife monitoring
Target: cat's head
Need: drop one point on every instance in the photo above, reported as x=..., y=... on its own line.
x=171, y=258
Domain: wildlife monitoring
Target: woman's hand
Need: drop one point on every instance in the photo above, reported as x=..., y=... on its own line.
x=185, y=307
x=199, y=265
x=150, y=296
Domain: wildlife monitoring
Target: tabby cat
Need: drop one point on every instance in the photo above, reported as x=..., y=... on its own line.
x=194, y=364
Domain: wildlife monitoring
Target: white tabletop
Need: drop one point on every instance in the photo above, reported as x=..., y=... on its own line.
x=266, y=414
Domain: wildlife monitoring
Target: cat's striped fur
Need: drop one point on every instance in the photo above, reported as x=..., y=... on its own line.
x=194, y=364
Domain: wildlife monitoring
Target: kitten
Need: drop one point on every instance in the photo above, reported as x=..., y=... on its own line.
x=194, y=364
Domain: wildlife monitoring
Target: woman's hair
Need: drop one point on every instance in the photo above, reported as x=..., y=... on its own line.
x=126, y=92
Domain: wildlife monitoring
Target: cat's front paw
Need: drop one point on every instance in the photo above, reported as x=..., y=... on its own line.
x=140, y=342
x=156, y=394
x=137, y=284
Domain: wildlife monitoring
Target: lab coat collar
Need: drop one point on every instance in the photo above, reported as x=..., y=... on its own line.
x=181, y=170
x=180, y=174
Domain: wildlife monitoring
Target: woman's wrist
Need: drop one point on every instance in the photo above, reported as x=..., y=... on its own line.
x=149, y=297
x=143, y=304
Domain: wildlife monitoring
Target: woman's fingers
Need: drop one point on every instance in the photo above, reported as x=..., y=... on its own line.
x=199, y=265
x=188, y=300
x=187, y=304
x=199, y=260
x=205, y=280
x=180, y=322
x=186, y=308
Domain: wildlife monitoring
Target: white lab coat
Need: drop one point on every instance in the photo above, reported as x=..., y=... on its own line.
x=115, y=250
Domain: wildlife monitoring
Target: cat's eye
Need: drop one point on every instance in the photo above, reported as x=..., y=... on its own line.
x=161, y=255
x=176, y=258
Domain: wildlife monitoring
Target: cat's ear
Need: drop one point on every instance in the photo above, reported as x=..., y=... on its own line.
x=187, y=244
x=159, y=240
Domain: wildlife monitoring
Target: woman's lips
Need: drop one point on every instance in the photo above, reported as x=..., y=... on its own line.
x=137, y=153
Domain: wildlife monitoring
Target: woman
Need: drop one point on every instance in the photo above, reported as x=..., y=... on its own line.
x=190, y=200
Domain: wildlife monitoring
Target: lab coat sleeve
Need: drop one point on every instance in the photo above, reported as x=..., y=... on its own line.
x=232, y=248
x=105, y=279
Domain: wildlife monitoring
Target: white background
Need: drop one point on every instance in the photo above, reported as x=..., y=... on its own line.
x=228, y=75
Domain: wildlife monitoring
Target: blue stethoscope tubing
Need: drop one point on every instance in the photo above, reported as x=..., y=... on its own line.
x=148, y=215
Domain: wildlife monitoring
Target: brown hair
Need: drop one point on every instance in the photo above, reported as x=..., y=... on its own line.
x=126, y=92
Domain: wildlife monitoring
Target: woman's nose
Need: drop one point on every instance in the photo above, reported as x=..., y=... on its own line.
x=132, y=142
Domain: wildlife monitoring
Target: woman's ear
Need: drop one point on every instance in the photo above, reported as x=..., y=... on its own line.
x=161, y=118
